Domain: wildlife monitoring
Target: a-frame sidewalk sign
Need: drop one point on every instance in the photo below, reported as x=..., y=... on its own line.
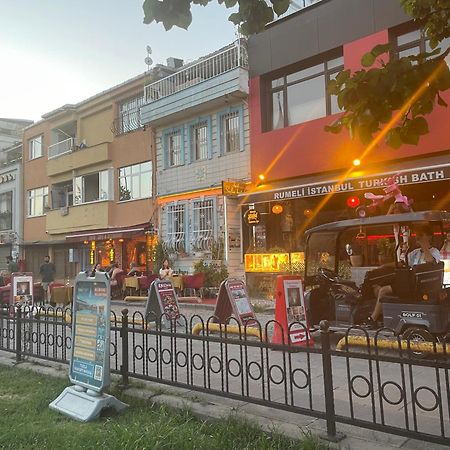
x=162, y=303
x=233, y=299
x=290, y=312
x=90, y=355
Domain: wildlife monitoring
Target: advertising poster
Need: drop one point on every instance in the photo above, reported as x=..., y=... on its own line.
x=295, y=309
x=22, y=289
x=238, y=296
x=90, y=342
x=168, y=300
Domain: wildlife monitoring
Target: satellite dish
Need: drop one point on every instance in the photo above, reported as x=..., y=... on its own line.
x=148, y=61
x=149, y=50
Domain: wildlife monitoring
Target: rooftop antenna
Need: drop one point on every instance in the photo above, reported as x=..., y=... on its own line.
x=148, y=60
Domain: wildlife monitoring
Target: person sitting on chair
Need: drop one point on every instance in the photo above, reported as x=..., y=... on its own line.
x=425, y=253
x=165, y=272
x=134, y=271
x=114, y=272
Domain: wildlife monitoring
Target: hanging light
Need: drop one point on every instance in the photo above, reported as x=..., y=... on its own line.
x=277, y=208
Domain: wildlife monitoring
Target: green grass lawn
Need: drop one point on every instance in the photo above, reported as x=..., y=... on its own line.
x=26, y=422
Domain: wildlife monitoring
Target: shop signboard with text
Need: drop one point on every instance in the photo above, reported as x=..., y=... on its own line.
x=22, y=288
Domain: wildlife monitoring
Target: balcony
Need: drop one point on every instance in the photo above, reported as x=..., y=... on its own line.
x=78, y=158
x=206, y=81
x=77, y=218
x=126, y=123
x=61, y=148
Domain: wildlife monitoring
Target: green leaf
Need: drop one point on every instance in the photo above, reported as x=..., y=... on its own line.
x=419, y=126
x=368, y=59
x=393, y=138
x=230, y=3
x=280, y=6
x=441, y=101
x=380, y=49
x=235, y=18
x=342, y=76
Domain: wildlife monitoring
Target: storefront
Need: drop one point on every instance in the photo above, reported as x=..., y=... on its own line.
x=286, y=209
x=124, y=246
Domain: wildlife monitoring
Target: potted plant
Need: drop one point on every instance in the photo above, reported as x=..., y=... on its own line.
x=385, y=250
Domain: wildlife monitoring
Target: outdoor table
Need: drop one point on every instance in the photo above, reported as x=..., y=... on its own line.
x=131, y=284
x=61, y=295
x=177, y=282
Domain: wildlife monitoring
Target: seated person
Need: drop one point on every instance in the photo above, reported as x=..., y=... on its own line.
x=114, y=272
x=134, y=271
x=424, y=254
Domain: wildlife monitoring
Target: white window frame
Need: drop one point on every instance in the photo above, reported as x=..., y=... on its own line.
x=35, y=147
x=203, y=224
x=104, y=187
x=6, y=210
x=176, y=233
x=37, y=195
x=230, y=144
x=173, y=158
x=137, y=173
x=199, y=147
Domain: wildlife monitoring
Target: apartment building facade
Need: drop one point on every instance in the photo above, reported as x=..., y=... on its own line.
x=11, y=188
x=200, y=117
x=89, y=177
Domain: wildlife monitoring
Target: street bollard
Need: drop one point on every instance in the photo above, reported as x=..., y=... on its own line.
x=331, y=435
x=124, y=338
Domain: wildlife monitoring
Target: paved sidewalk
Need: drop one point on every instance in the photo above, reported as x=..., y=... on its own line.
x=210, y=407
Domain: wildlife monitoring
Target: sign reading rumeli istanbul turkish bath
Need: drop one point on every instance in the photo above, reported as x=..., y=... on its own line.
x=424, y=175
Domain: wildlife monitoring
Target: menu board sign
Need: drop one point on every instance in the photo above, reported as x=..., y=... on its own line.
x=162, y=302
x=295, y=309
x=89, y=365
x=233, y=298
x=22, y=288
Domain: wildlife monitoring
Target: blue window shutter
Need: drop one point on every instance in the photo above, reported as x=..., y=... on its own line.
x=219, y=133
x=165, y=150
x=209, y=131
x=189, y=143
x=183, y=156
x=241, y=129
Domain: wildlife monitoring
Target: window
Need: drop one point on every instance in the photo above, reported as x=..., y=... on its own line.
x=62, y=194
x=37, y=201
x=135, y=181
x=129, y=114
x=413, y=42
x=176, y=227
x=6, y=211
x=199, y=140
x=230, y=131
x=202, y=224
x=35, y=147
x=92, y=187
x=173, y=147
x=300, y=95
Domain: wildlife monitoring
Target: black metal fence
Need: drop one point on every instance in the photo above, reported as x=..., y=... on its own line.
x=398, y=390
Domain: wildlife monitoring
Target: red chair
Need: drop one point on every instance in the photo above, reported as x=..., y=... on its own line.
x=192, y=284
x=145, y=283
x=116, y=289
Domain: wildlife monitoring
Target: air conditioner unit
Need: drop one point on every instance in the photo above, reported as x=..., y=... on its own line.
x=64, y=210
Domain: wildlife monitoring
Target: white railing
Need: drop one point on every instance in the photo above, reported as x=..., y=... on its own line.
x=61, y=148
x=195, y=73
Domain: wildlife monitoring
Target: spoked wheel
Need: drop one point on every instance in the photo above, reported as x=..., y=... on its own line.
x=420, y=335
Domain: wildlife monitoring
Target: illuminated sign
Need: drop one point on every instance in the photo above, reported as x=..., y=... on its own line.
x=252, y=217
x=275, y=262
x=233, y=187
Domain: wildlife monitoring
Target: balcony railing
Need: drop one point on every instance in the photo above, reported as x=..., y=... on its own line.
x=61, y=148
x=126, y=122
x=205, y=69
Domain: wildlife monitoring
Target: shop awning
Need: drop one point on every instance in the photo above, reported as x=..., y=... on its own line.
x=103, y=235
x=435, y=168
